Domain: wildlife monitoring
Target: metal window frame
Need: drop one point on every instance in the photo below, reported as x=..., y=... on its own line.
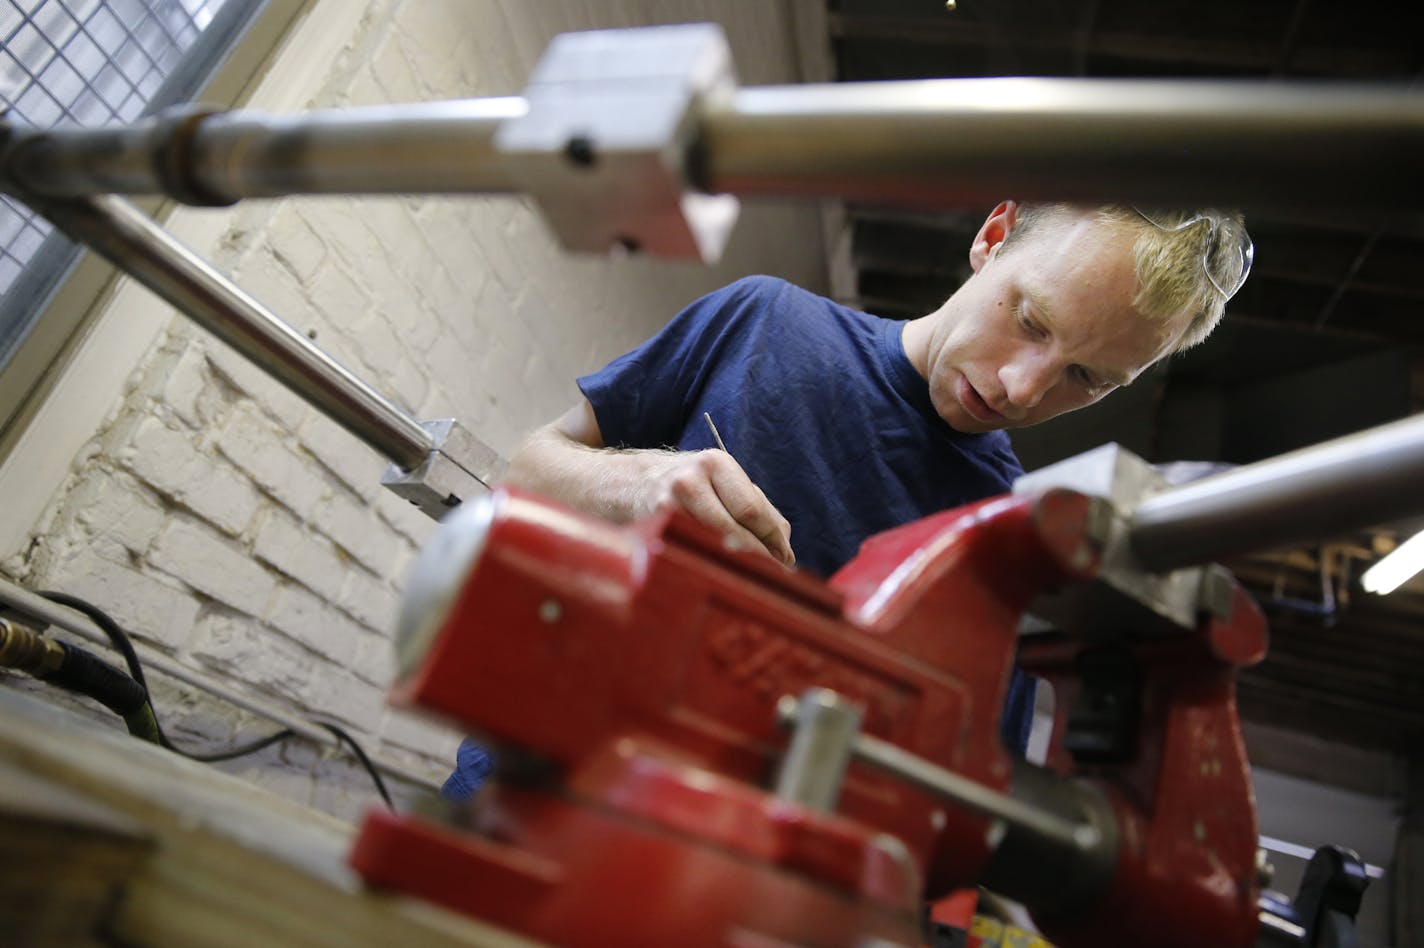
x=53, y=301
x=71, y=26
x=46, y=266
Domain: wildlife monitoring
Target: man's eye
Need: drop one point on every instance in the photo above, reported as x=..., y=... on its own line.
x=1031, y=327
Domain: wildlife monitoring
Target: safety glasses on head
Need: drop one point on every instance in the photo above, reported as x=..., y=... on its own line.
x=1226, y=260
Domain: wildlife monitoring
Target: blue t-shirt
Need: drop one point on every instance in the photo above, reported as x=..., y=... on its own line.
x=820, y=405
x=816, y=401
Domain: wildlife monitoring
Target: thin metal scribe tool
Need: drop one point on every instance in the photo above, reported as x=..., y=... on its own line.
x=707, y=417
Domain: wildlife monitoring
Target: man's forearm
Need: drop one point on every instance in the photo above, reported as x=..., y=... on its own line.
x=609, y=483
x=566, y=461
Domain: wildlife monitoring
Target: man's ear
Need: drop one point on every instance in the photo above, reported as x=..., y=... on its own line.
x=992, y=233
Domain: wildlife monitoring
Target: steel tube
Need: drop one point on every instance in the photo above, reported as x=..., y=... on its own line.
x=1354, y=482
x=420, y=148
x=423, y=148
x=135, y=244
x=956, y=141
x=839, y=734
x=939, y=142
x=1049, y=827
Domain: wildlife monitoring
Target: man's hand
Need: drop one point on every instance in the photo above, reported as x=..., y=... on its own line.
x=712, y=487
x=567, y=461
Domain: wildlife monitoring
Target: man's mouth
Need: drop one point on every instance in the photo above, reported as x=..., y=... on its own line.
x=974, y=403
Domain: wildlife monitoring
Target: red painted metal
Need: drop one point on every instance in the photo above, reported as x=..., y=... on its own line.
x=956, y=912
x=1183, y=802
x=641, y=666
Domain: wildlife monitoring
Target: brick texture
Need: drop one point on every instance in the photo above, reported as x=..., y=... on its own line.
x=213, y=566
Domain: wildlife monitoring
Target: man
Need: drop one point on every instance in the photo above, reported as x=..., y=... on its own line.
x=839, y=424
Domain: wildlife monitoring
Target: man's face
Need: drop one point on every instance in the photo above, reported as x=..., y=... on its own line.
x=1040, y=329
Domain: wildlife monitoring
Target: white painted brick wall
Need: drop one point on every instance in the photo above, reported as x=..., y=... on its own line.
x=186, y=384
x=213, y=566
x=300, y=614
x=223, y=641
x=287, y=545
x=266, y=453
x=112, y=504
x=373, y=658
x=356, y=530
x=153, y=606
x=177, y=468
x=218, y=516
x=357, y=467
x=296, y=246
x=372, y=600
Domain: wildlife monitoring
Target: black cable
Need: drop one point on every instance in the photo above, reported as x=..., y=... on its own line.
x=365, y=761
x=65, y=665
x=241, y=750
x=120, y=640
x=85, y=673
x=116, y=635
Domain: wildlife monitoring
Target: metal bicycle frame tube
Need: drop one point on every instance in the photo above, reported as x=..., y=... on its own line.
x=134, y=243
x=1354, y=482
x=948, y=142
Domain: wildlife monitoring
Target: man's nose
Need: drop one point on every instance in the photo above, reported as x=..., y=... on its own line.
x=1027, y=378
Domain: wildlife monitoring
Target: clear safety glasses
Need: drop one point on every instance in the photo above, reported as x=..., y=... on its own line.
x=1226, y=261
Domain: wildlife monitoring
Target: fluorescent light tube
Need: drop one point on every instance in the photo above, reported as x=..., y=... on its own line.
x=1391, y=572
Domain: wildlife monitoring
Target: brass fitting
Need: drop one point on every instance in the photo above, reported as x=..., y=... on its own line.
x=27, y=650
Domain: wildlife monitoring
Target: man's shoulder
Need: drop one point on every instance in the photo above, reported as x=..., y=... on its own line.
x=760, y=283
x=764, y=290
x=785, y=302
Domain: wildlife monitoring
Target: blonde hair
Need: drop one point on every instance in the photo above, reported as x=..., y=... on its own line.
x=1171, y=253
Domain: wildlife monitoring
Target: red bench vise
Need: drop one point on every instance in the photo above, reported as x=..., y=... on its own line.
x=631, y=677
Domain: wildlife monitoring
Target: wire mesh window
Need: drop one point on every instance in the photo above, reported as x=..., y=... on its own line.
x=92, y=62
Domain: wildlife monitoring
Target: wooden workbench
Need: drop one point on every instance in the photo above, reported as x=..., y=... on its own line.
x=105, y=839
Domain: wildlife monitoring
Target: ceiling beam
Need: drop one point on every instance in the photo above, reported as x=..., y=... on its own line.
x=1215, y=51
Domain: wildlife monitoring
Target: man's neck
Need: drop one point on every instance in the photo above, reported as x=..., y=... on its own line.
x=915, y=337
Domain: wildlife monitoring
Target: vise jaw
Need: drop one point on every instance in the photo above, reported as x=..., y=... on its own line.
x=1126, y=595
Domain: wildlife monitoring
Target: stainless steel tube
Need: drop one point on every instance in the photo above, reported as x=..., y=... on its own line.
x=134, y=243
x=438, y=147
x=953, y=141
x=421, y=148
x=942, y=142
x=1353, y=482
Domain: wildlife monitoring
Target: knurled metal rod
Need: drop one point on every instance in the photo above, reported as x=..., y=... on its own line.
x=1351, y=483
x=134, y=243
x=943, y=142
